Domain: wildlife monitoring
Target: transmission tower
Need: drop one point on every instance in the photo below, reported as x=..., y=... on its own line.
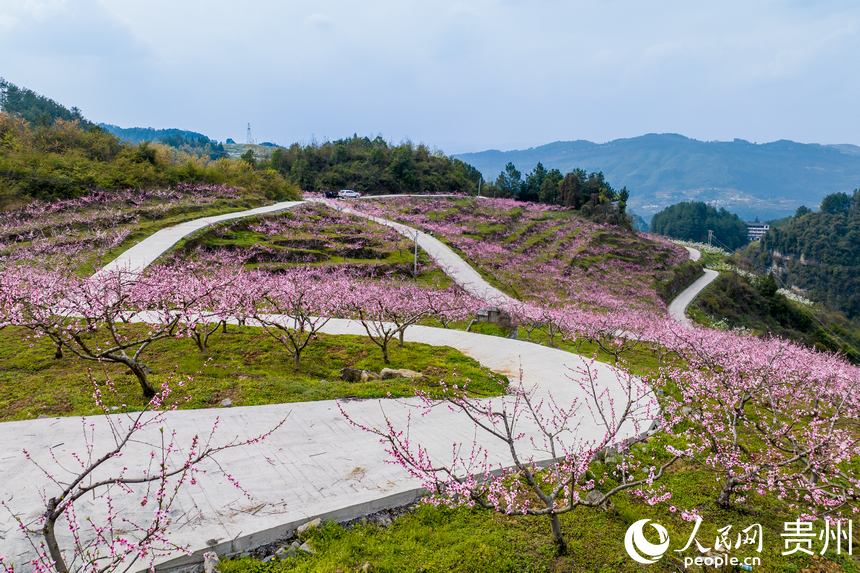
x=249, y=139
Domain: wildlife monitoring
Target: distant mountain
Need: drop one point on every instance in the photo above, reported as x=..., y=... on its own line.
x=765, y=180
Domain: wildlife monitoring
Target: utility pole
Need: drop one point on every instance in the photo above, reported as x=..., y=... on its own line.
x=480, y=179
x=415, y=259
x=710, y=237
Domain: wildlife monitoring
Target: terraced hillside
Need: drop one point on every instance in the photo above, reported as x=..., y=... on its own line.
x=313, y=235
x=88, y=231
x=542, y=253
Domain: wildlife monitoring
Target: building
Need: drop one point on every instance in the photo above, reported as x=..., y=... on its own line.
x=756, y=230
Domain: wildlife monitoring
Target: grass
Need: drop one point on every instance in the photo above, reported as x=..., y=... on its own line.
x=432, y=539
x=315, y=235
x=244, y=364
x=732, y=301
x=147, y=226
x=553, y=256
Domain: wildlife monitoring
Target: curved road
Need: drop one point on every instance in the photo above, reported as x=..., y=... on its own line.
x=317, y=464
x=145, y=252
x=679, y=304
x=451, y=263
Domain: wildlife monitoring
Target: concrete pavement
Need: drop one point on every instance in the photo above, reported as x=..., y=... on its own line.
x=678, y=306
x=451, y=263
x=316, y=464
x=149, y=249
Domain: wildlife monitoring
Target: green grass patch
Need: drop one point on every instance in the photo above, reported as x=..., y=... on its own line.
x=670, y=283
x=245, y=365
x=317, y=236
x=430, y=539
x=733, y=301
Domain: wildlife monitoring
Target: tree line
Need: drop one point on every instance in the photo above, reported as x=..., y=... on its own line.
x=817, y=251
x=691, y=221
x=371, y=166
x=189, y=141
x=37, y=109
x=590, y=193
x=374, y=166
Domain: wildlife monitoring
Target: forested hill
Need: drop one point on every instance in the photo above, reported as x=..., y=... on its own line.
x=48, y=151
x=766, y=180
x=692, y=220
x=35, y=108
x=189, y=141
x=818, y=251
x=141, y=134
x=373, y=166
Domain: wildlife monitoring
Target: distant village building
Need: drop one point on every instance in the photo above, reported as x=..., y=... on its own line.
x=756, y=230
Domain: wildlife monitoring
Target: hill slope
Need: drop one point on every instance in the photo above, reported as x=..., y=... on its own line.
x=818, y=252
x=48, y=151
x=190, y=141
x=766, y=180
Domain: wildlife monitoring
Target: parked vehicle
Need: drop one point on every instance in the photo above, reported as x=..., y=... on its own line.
x=331, y=194
x=348, y=194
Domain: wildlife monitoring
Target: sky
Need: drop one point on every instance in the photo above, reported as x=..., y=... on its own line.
x=457, y=76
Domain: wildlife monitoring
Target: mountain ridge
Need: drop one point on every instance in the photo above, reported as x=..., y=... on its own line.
x=765, y=180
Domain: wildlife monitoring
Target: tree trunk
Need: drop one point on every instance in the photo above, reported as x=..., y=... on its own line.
x=51, y=539
x=224, y=326
x=724, y=500
x=58, y=353
x=384, y=346
x=557, y=537
x=140, y=373
x=400, y=337
x=201, y=342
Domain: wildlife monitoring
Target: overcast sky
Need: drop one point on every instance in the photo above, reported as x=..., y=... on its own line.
x=458, y=76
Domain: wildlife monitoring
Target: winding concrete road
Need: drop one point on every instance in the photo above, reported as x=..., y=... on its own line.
x=148, y=250
x=317, y=464
x=678, y=306
x=450, y=262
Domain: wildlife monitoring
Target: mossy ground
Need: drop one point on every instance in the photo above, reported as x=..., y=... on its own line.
x=244, y=364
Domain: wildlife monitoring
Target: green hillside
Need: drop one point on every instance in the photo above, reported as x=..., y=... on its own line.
x=36, y=109
x=189, y=141
x=373, y=166
x=817, y=251
x=691, y=221
x=736, y=301
x=50, y=152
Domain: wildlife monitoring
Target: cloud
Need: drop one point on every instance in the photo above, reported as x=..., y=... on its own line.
x=454, y=74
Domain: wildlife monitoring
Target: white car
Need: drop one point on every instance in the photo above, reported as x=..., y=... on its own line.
x=348, y=194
